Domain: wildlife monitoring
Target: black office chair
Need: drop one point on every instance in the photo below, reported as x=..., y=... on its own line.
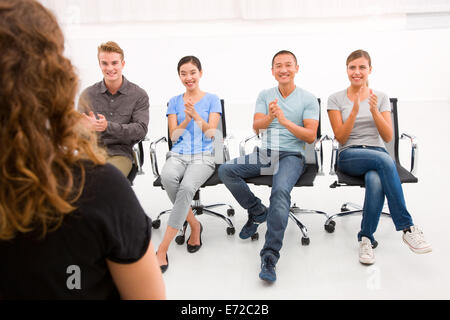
x=221, y=155
x=138, y=162
x=393, y=148
x=313, y=168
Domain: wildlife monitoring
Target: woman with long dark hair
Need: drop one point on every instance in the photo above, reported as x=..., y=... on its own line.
x=193, y=117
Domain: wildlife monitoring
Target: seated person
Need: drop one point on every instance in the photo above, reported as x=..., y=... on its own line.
x=290, y=117
x=361, y=121
x=71, y=226
x=193, y=117
x=116, y=108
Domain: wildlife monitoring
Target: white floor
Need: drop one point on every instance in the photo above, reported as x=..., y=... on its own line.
x=227, y=267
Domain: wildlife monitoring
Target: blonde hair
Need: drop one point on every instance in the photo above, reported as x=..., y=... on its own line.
x=111, y=46
x=40, y=131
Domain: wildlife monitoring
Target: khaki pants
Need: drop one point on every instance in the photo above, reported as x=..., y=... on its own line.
x=122, y=163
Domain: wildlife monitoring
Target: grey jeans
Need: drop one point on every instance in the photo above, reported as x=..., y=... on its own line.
x=181, y=177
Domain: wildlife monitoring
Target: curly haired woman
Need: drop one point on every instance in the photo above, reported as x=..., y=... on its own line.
x=70, y=225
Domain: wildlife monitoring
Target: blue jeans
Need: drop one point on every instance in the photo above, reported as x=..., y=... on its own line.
x=286, y=167
x=381, y=179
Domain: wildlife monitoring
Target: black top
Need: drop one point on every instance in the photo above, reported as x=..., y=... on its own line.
x=70, y=263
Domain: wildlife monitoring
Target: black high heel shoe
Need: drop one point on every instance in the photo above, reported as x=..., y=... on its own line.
x=195, y=248
x=164, y=267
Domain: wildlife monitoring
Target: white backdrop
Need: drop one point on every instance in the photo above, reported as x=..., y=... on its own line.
x=113, y=11
x=408, y=42
x=235, y=40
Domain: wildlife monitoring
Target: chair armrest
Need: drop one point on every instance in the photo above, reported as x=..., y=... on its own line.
x=226, y=149
x=243, y=143
x=334, y=154
x=138, y=154
x=153, y=158
x=414, y=151
x=318, y=152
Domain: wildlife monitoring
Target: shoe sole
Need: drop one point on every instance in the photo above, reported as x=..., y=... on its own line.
x=257, y=223
x=243, y=237
x=267, y=279
x=366, y=262
x=418, y=250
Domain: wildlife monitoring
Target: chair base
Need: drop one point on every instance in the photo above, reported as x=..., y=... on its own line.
x=294, y=210
x=345, y=211
x=199, y=209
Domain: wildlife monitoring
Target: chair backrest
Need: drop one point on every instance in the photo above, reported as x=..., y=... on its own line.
x=310, y=153
x=221, y=134
x=393, y=145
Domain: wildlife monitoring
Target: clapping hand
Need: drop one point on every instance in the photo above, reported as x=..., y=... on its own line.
x=373, y=101
x=276, y=112
x=95, y=124
x=189, y=110
x=357, y=99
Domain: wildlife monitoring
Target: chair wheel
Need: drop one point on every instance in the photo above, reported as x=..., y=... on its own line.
x=344, y=209
x=255, y=236
x=156, y=224
x=231, y=231
x=179, y=240
x=230, y=212
x=330, y=227
x=305, y=241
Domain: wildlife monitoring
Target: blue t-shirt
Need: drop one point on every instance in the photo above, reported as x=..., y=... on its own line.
x=193, y=140
x=299, y=105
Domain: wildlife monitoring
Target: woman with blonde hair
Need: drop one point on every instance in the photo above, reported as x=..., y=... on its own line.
x=361, y=122
x=70, y=225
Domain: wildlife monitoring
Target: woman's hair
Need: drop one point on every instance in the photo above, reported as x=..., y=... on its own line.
x=189, y=59
x=41, y=135
x=111, y=46
x=359, y=54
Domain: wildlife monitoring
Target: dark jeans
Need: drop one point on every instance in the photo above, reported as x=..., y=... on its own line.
x=381, y=179
x=286, y=167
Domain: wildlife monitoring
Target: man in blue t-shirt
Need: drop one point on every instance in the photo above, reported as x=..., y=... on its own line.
x=287, y=117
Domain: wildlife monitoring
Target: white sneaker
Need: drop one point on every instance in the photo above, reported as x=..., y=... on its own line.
x=416, y=241
x=366, y=255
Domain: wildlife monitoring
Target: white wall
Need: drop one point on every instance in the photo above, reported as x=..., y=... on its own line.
x=409, y=64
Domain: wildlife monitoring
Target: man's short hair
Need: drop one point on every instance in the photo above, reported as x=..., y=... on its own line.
x=111, y=46
x=284, y=52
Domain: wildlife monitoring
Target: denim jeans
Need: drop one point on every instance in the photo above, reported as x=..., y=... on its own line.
x=381, y=179
x=286, y=167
